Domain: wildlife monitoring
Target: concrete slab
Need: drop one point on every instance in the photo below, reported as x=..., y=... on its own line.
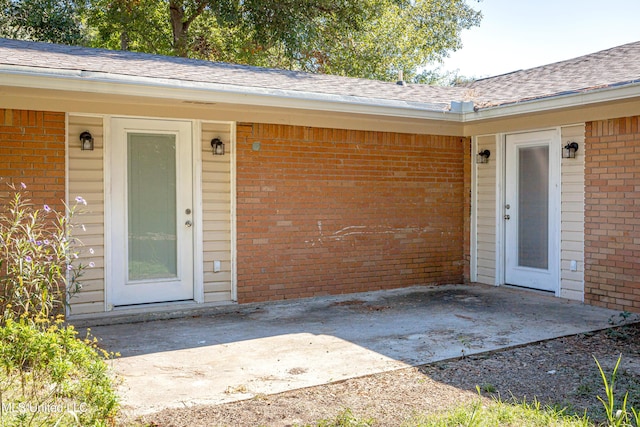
x=239, y=352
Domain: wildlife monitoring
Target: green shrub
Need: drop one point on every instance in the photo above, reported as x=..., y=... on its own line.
x=50, y=377
x=37, y=271
x=47, y=375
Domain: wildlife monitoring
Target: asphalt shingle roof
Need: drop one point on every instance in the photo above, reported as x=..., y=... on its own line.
x=612, y=67
x=44, y=55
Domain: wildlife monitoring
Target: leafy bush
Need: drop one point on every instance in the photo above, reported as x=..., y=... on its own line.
x=37, y=272
x=47, y=375
x=50, y=377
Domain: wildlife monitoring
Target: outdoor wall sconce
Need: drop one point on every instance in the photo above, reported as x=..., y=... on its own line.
x=569, y=150
x=86, y=141
x=483, y=156
x=217, y=146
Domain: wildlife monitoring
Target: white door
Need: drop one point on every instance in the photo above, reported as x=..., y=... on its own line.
x=151, y=212
x=531, y=211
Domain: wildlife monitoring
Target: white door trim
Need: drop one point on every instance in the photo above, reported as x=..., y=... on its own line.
x=554, y=201
x=117, y=202
x=198, y=243
x=501, y=141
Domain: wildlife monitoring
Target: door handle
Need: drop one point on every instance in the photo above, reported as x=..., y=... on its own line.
x=188, y=224
x=507, y=217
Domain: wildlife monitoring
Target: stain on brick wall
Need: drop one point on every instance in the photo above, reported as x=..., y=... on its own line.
x=612, y=214
x=325, y=211
x=32, y=151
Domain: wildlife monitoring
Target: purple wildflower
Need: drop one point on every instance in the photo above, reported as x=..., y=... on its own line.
x=23, y=185
x=92, y=264
x=80, y=199
x=28, y=258
x=47, y=208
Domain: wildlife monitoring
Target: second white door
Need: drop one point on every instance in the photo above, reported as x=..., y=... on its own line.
x=531, y=211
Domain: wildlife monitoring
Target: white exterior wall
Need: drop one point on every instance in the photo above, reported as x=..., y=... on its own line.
x=572, y=214
x=488, y=254
x=486, y=175
x=217, y=212
x=86, y=179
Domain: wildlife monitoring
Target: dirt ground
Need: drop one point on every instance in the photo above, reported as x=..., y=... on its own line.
x=560, y=372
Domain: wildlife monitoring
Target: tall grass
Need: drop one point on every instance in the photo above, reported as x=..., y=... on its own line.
x=496, y=412
x=617, y=415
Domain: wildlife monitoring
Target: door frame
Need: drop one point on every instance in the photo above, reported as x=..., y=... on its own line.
x=196, y=179
x=555, y=151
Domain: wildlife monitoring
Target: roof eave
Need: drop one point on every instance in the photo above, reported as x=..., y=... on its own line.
x=575, y=99
x=200, y=92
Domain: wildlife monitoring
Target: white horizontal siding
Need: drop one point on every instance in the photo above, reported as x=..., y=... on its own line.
x=486, y=213
x=216, y=213
x=572, y=214
x=86, y=179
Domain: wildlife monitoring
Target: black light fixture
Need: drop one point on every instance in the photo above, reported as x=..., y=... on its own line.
x=86, y=141
x=569, y=150
x=483, y=156
x=217, y=146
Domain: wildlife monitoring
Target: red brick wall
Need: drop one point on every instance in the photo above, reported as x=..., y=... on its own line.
x=612, y=214
x=32, y=152
x=323, y=211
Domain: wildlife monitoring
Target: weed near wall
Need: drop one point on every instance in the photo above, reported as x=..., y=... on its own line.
x=39, y=271
x=48, y=376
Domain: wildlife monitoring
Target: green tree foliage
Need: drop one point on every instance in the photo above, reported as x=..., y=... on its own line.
x=55, y=21
x=360, y=38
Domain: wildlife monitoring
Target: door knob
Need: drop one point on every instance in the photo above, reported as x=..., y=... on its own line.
x=188, y=224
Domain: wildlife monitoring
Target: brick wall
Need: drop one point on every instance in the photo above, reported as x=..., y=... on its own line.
x=612, y=214
x=32, y=152
x=323, y=211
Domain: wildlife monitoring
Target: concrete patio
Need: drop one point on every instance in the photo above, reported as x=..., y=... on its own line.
x=240, y=351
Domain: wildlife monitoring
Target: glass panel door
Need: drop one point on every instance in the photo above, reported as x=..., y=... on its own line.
x=531, y=210
x=151, y=212
x=151, y=185
x=533, y=207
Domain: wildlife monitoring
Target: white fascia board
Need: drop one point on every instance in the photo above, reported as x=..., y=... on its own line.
x=578, y=99
x=214, y=93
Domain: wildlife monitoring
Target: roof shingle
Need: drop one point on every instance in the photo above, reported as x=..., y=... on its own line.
x=612, y=67
x=45, y=55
